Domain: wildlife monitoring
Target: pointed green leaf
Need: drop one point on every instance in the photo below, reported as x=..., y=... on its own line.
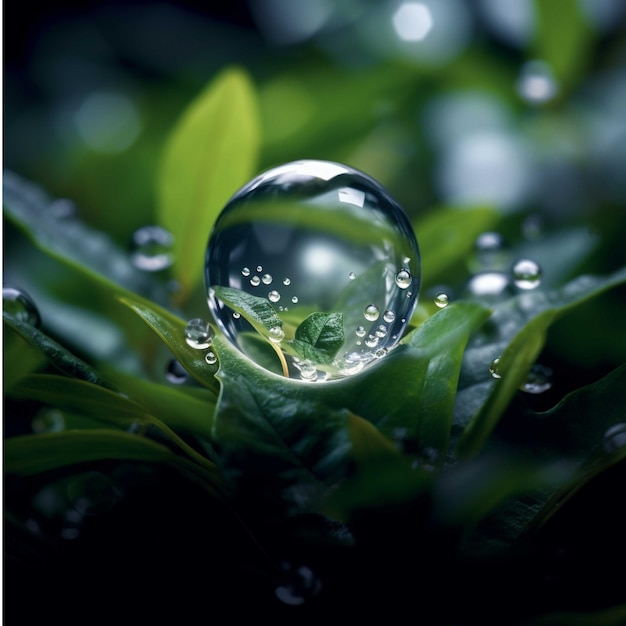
x=211, y=152
x=319, y=337
x=257, y=311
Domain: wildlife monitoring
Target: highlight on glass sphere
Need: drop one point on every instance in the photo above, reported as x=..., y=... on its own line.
x=313, y=270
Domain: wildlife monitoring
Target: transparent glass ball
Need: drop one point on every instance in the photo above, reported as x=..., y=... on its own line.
x=315, y=237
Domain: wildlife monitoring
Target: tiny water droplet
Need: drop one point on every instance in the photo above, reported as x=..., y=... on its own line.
x=48, y=420
x=259, y=268
x=236, y=315
x=360, y=331
x=308, y=371
x=351, y=275
x=380, y=353
x=615, y=438
x=381, y=331
x=276, y=334
x=20, y=305
x=494, y=369
x=245, y=271
x=152, y=248
x=536, y=83
x=295, y=299
x=403, y=279
x=538, y=380
x=389, y=316
x=93, y=493
x=267, y=279
x=371, y=312
x=175, y=373
x=491, y=252
x=273, y=296
x=371, y=341
x=198, y=334
x=286, y=282
x=441, y=300
x=488, y=284
x=210, y=357
x=299, y=585
x=526, y=274
x=255, y=281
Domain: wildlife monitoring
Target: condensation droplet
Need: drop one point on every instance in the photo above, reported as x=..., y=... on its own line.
x=294, y=299
x=441, y=300
x=245, y=271
x=255, y=281
x=380, y=353
x=389, y=316
x=273, y=296
x=494, y=368
x=538, y=380
x=360, y=331
x=371, y=341
x=488, y=284
x=403, y=279
x=276, y=334
x=491, y=252
x=267, y=279
x=198, y=334
x=381, y=331
x=371, y=312
x=286, y=282
x=259, y=268
x=175, y=373
x=526, y=274
x=152, y=248
x=351, y=275
x=236, y=315
x=210, y=357
x=20, y=305
x=615, y=438
x=299, y=585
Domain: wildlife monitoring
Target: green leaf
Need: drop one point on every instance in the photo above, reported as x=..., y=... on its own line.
x=562, y=450
x=171, y=330
x=319, y=337
x=75, y=244
x=257, y=311
x=211, y=152
x=20, y=356
x=563, y=38
x=516, y=335
x=276, y=436
x=58, y=356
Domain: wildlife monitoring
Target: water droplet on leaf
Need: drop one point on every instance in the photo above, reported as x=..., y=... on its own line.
x=198, y=334
x=20, y=305
x=348, y=246
x=526, y=274
x=210, y=357
x=538, y=380
x=175, y=372
x=494, y=368
x=298, y=585
x=615, y=438
x=441, y=300
x=152, y=248
x=491, y=252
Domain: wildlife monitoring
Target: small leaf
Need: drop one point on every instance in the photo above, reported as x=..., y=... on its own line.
x=319, y=337
x=257, y=311
x=211, y=152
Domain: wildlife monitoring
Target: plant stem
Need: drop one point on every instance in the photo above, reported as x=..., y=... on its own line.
x=281, y=356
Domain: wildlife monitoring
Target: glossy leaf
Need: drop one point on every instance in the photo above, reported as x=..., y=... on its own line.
x=211, y=152
x=58, y=356
x=319, y=337
x=515, y=336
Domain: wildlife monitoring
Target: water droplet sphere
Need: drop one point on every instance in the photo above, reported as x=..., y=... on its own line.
x=349, y=250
